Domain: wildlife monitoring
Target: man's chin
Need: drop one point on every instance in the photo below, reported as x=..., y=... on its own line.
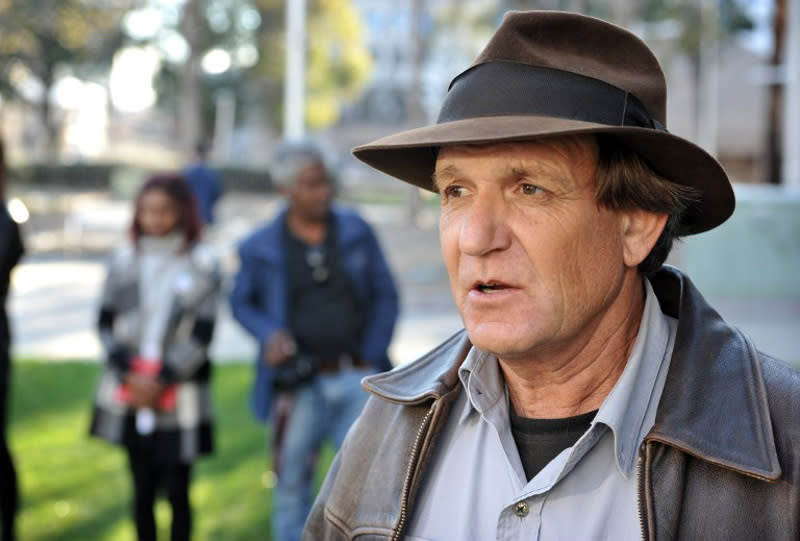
x=498, y=344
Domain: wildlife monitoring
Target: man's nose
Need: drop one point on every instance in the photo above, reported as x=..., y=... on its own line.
x=484, y=228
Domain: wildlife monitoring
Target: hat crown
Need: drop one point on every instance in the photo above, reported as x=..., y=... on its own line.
x=583, y=45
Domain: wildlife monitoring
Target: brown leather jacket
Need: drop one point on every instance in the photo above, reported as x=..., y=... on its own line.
x=721, y=462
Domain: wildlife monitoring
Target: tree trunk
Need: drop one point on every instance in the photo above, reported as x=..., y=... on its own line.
x=52, y=143
x=190, y=127
x=775, y=108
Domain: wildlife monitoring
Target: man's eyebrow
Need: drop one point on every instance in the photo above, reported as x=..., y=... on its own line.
x=521, y=172
x=531, y=170
x=441, y=175
x=542, y=173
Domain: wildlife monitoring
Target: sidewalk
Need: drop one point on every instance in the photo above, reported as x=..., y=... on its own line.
x=54, y=294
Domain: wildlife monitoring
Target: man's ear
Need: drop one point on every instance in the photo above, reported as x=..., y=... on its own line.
x=640, y=231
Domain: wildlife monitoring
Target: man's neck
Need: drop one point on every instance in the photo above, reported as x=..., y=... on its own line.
x=576, y=379
x=309, y=230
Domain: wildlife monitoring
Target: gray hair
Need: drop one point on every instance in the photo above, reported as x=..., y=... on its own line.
x=291, y=157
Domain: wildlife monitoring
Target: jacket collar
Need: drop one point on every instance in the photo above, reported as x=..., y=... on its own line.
x=714, y=404
x=429, y=377
x=267, y=242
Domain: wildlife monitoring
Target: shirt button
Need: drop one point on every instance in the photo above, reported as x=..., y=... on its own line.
x=521, y=509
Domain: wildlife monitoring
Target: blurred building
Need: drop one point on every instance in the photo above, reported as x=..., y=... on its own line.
x=741, y=108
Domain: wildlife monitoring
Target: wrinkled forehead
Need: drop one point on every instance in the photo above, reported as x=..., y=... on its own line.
x=542, y=156
x=571, y=146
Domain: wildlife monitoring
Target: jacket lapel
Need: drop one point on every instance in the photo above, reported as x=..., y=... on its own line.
x=429, y=377
x=714, y=405
x=267, y=243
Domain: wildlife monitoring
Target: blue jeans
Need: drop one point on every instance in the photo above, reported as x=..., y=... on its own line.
x=322, y=410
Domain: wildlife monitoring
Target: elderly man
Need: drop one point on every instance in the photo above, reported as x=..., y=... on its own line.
x=315, y=291
x=594, y=394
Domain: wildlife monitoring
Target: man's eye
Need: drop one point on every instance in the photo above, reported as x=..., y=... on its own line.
x=453, y=191
x=530, y=189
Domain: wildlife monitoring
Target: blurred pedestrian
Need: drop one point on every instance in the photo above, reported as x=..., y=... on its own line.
x=594, y=393
x=11, y=250
x=315, y=291
x=204, y=181
x=157, y=315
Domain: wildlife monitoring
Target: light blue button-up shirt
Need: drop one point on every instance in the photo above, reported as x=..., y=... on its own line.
x=477, y=488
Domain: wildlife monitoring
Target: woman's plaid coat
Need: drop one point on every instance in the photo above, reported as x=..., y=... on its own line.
x=185, y=433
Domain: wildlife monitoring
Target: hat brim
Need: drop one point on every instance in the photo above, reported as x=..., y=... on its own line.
x=411, y=156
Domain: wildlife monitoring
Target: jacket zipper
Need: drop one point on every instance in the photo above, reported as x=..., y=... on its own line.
x=640, y=492
x=412, y=466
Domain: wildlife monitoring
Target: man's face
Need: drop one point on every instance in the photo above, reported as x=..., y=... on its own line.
x=533, y=261
x=312, y=192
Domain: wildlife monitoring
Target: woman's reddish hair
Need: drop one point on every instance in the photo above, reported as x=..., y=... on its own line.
x=177, y=189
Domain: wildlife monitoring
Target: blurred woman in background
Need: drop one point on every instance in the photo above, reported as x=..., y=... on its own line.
x=11, y=250
x=157, y=315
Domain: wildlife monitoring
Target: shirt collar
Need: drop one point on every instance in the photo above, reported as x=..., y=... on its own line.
x=629, y=407
x=482, y=381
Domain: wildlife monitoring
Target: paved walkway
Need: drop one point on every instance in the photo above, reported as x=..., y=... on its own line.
x=53, y=300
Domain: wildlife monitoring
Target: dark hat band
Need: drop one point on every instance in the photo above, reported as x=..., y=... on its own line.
x=500, y=88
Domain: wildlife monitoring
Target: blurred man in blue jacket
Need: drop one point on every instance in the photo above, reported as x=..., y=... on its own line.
x=204, y=182
x=316, y=293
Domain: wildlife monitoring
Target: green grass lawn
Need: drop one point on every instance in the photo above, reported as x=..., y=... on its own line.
x=77, y=488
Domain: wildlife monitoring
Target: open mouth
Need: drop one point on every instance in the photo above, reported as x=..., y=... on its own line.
x=489, y=287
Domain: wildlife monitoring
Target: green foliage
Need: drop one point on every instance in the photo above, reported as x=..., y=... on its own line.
x=75, y=488
x=338, y=64
x=243, y=179
x=81, y=175
x=118, y=178
x=40, y=36
x=43, y=33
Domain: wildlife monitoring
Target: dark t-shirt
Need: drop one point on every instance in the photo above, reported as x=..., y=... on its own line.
x=325, y=316
x=540, y=440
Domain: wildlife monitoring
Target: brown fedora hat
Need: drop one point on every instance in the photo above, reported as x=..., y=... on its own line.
x=549, y=73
